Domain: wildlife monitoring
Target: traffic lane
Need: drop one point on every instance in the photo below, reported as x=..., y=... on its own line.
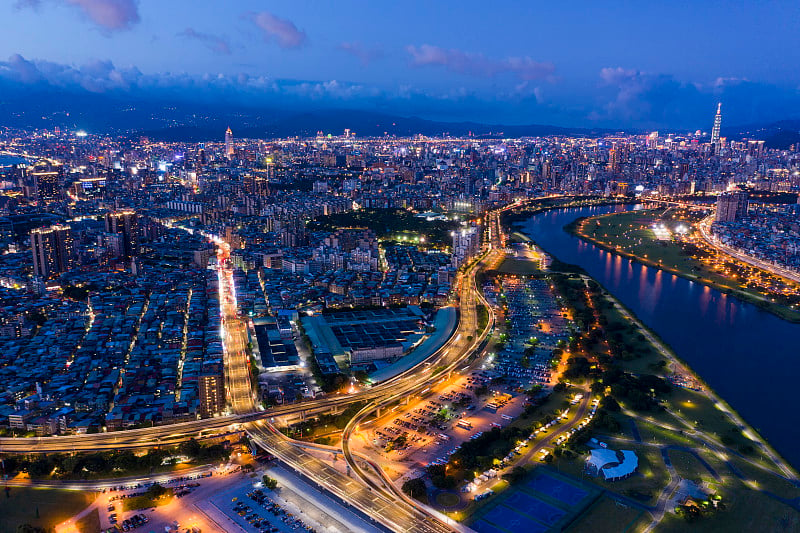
x=391, y=513
x=80, y=442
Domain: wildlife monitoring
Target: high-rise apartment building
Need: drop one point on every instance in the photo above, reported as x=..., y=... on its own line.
x=53, y=251
x=125, y=223
x=211, y=388
x=732, y=206
x=466, y=244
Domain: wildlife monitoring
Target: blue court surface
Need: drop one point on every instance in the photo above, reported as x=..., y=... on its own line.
x=560, y=490
x=485, y=527
x=523, y=503
x=544, y=503
x=511, y=521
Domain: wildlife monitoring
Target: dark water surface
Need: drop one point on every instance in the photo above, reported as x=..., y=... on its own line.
x=749, y=356
x=8, y=160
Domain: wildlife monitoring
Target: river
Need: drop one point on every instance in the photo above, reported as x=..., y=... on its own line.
x=748, y=356
x=8, y=160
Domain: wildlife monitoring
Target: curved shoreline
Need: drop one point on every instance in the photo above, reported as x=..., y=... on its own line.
x=788, y=315
x=789, y=472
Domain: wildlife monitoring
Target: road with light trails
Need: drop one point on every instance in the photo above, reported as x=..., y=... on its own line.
x=712, y=240
x=452, y=355
x=396, y=516
x=238, y=384
x=105, y=484
x=385, y=504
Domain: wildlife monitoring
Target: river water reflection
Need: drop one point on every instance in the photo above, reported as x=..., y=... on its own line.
x=749, y=356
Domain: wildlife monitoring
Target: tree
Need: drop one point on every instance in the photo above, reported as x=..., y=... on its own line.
x=191, y=448
x=155, y=491
x=415, y=488
x=597, y=386
x=27, y=528
x=516, y=475
x=610, y=404
x=40, y=467
x=270, y=483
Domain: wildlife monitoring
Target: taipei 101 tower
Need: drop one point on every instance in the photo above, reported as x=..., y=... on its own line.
x=715, y=130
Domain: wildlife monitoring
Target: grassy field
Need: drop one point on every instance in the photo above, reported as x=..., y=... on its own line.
x=519, y=267
x=607, y=515
x=644, y=486
x=52, y=507
x=630, y=234
x=89, y=523
x=146, y=500
x=766, y=481
x=688, y=467
x=652, y=432
x=746, y=510
x=703, y=413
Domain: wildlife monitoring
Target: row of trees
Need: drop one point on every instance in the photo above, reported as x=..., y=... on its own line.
x=308, y=427
x=117, y=463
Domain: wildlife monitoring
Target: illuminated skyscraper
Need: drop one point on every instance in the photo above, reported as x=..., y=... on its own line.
x=53, y=251
x=715, y=130
x=229, y=143
x=125, y=223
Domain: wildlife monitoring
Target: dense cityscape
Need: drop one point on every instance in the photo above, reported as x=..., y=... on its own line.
x=225, y=317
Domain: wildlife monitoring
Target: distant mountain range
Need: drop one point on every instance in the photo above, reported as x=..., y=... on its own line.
x=175, y=120
x=364, y=123
x=48, y=107
x=779, y=135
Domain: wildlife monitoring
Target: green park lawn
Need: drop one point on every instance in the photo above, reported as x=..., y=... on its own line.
x=687, y=466
x=89, y=523
x=645, y=486
x=519, y=267
x=44, y=508
x=629, y=233
x=608, y=515
x=746, y=510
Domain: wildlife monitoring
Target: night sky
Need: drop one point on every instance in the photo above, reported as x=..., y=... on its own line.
x=610, y=64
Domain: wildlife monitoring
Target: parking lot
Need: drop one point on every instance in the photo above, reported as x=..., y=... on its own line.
x=430, y=429
x=294, y=506
x=537, y=326
x=111, y=502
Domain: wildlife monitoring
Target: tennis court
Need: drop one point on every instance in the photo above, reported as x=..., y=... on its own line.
x=509, y=520
x=560, y=490
x=520, y=502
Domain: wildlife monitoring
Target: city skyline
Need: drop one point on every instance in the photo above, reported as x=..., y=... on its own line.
x=366, y=267
x=524, y=69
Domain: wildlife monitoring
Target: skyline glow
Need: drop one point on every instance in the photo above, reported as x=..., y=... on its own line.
x=516, y=63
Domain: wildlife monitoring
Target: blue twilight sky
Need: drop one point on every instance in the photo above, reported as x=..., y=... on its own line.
x=612, y=63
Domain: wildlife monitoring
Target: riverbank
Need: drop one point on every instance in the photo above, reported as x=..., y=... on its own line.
x=671, y=258
x=690, y=380
x=696, y=435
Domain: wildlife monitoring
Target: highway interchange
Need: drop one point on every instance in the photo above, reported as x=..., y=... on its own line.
x=379, y=499
x=367, y=488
